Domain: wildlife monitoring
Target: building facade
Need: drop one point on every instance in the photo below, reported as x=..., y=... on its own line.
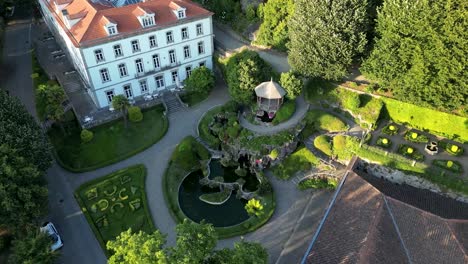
x=131, y=47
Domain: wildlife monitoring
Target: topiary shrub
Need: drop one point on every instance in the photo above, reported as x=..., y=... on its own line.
x=323, y=144
x=352, y=101
x=453, y=149
x=391, y=130
x=384, y=142
x=134, y=114
x=86, y=136
x=416, y=137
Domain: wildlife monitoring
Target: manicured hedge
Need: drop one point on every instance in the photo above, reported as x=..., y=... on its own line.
x=325, y=121
x=451, y=165
x=410, y=152
x=384, y=142
x=439, y=123
x=323, y=144
x=390, y=129
x=452, y=149
x=318, y=183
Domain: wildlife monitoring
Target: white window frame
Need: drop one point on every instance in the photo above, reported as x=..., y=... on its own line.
x=174, y=76
x=169, y=37
x=188, y=71
x=99, y=55
x=181, y=14
x=186, y=52
x=128, y=91
x=201, y=47
x=172, y=57
x=184, y=33
x=122, y=70
x=152, y=41
x=105, y=76
x=112, y=30
x=135, y=46
x=139, y=66
x=109, y=95
x=118, y=50
x=147, y=21
x=143, y=86
x=159, y=80
x=199, y=29
x=202, y=64
x=156, y=61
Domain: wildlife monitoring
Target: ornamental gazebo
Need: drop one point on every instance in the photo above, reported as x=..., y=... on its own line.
x=269, y=97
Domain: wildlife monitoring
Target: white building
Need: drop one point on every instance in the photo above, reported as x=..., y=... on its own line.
x=131, y=47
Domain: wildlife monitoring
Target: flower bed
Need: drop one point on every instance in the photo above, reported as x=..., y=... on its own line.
x=452, y=149
x=410, y=152
x=416, y=137
x=450, y=165
x=116, y=202
x=390, y=129
x=384, y=142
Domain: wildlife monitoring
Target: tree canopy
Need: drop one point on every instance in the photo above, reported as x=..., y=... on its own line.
x=50, y=98
x=195, y=244
x=274, y=28
x=327, y=36
x=420, y=52
x=32, y=249
x=23, y=192
x=291, y=84
x=246, y=70
x=200, y=81
x=18, y=129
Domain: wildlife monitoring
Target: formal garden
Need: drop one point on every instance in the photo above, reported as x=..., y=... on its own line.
x=80, y=150
x=116, y=202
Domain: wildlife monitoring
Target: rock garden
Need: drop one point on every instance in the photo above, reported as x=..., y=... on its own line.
x=116, y=202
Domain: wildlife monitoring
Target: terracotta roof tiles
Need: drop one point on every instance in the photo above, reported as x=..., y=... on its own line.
x=90, y=29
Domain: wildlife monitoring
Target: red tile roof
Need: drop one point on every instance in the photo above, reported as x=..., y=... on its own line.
x=366, y=226
x=90, y=29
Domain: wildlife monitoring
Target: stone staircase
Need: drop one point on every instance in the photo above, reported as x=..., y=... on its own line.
x=172, y=103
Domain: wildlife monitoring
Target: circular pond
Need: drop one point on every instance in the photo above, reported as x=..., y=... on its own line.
x=230, y=213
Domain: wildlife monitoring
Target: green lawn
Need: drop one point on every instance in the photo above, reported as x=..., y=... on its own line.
x=111, y=142
x=116, y=202
x=301, y=160
x=285, y=112
x=325, y=121
x=439, y=123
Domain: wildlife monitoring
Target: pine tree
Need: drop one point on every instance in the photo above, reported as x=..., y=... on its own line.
x=327, y=36
x=420, y=54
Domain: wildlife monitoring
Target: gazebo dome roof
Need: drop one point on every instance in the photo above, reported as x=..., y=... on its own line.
x=270, y=90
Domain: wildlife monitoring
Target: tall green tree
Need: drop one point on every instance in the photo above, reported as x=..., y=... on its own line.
x=51, y=98
x=420, y=52
x=327, y=36
x=121, y=103
x=274, y=28
x=200, y=81
x=23, y=192
x=136, y=248
x=194, y=243
x=19, y=129
x=291, y=84
x=32, y=249
x=246, y=70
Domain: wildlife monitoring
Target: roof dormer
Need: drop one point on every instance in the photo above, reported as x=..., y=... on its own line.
x=145, y=16
x=178, y=10
x=110, y=27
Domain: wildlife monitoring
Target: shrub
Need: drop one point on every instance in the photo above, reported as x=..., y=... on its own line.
x=318, y=183
x=250, y=12
x=301, y=160
x=201, y=81
x=323, y=144
x=134, y=114
x=352, y=102
x=384, y=142
x=86, y=136
x=285, y=112
x=274, y=154
x=391, y=129
x=416, y=137
x=291, y=84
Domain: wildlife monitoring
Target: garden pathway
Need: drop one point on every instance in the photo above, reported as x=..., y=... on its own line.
x=301, y=109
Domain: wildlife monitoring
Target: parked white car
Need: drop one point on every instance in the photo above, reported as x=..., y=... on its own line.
x=50, y=229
